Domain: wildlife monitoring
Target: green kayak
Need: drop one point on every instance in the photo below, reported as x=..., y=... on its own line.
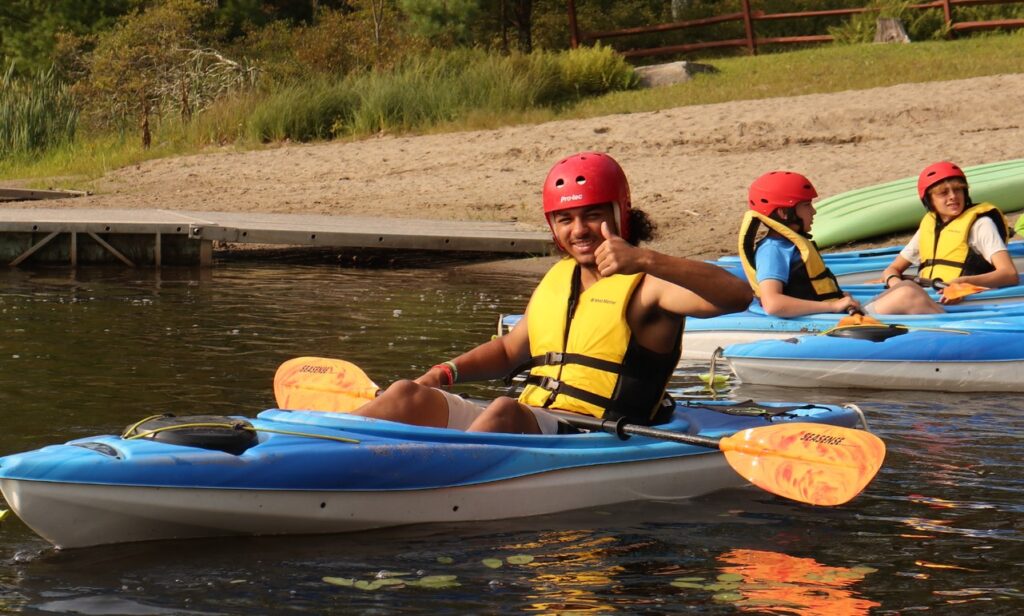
x=894, y=206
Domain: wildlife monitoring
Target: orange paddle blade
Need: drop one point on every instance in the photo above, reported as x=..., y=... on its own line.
x=811, y=463
x=956, y=290
x=322, y=384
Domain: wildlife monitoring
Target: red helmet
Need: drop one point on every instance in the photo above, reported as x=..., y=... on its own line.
x=779, y=189
x=587, y=178
x=935, y=173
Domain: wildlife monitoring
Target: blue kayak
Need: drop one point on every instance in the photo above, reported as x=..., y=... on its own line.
x=930, y=360
x=862, y=266
x=703, y=336
x=292, y=472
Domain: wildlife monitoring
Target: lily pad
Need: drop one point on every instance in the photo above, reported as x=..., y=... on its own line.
x=436, y=581
x=520, y=559
x=378, y=584
x=339, y=581
x=493, y=563
x=3, y=514
x=720, y=380
x=730, y=577
x=445, y=560
x=730, y=597
x=690, y=579
x=681, y=584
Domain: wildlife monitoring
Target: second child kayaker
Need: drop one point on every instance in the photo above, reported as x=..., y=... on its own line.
x=785, y=269
x=602, y=332
x=957, y=240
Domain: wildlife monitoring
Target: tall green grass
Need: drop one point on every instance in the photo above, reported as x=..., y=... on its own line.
x=436, y=89
x=36, y=113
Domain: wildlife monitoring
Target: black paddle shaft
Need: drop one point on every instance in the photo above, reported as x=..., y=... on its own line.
x=622, y=429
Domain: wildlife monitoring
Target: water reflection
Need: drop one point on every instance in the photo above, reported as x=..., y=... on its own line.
x=773, y=582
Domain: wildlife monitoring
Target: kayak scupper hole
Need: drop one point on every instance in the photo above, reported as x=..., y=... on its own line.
x=455, y=508
x=323, y=505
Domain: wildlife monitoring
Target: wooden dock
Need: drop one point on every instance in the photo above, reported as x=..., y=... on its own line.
x=155, y=238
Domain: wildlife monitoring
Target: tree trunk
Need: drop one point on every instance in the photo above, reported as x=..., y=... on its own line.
x=523, y=10
x=147, y=137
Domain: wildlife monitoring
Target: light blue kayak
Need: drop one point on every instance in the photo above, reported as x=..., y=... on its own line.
x=929, y=360
x=703, y=336
x=862, y=266
x=289, y=472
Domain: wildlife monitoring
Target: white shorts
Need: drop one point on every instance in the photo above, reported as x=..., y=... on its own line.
x=462, y=412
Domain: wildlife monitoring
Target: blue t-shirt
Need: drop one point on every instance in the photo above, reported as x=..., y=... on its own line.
x=773, y=258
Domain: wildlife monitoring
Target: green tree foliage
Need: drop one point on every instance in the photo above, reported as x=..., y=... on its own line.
x=369, y=35
x=442, y=20
x=29, y=28
x=154, y=62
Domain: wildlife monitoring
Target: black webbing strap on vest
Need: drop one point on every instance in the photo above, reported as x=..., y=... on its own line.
x=555, y=358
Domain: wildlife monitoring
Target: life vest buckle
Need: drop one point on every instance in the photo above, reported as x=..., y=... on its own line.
x=554, y=358
x=552, y=385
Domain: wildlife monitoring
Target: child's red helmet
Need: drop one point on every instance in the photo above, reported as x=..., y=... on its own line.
x=779, y=189
x=587, y=178
x=935, y=173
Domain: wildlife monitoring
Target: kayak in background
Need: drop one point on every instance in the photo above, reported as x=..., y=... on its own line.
x=303, y=472
x=929, y=360
x=895, y=206
x=702, y=337
x=862, y=266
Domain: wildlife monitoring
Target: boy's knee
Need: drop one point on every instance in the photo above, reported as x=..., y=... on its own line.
x=403, y=387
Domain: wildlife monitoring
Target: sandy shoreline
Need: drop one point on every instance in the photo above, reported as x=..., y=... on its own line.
x=688, y=167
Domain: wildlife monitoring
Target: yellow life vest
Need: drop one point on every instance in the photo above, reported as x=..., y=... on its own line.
x=584, y=356
x=945, y=253
x=811, y=279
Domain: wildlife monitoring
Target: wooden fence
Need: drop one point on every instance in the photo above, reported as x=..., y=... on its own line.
x=750, y=18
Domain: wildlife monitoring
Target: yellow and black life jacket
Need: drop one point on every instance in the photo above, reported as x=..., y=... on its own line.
x=809, y=278
x=945, y=253
x=584, y=355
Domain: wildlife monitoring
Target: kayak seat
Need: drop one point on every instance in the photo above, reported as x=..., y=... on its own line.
x=216, y=432
x=874, y=333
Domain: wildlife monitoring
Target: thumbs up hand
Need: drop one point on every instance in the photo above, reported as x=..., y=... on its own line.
x=615, y=255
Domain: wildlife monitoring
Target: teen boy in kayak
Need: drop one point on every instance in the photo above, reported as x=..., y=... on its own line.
x=786, y=270
x=602, y=332
x=957, y=240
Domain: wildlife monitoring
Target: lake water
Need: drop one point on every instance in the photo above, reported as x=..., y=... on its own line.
x=940, y=531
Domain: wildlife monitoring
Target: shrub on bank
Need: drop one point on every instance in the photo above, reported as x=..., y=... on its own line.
x=435, y=89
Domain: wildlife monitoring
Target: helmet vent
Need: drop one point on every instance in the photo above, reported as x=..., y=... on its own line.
x=581, y=180
x=559, y=183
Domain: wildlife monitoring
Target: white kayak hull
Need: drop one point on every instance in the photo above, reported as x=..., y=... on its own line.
x=80, y=515
x=890, y=375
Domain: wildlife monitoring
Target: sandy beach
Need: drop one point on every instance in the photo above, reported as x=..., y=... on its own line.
x=689, y=167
